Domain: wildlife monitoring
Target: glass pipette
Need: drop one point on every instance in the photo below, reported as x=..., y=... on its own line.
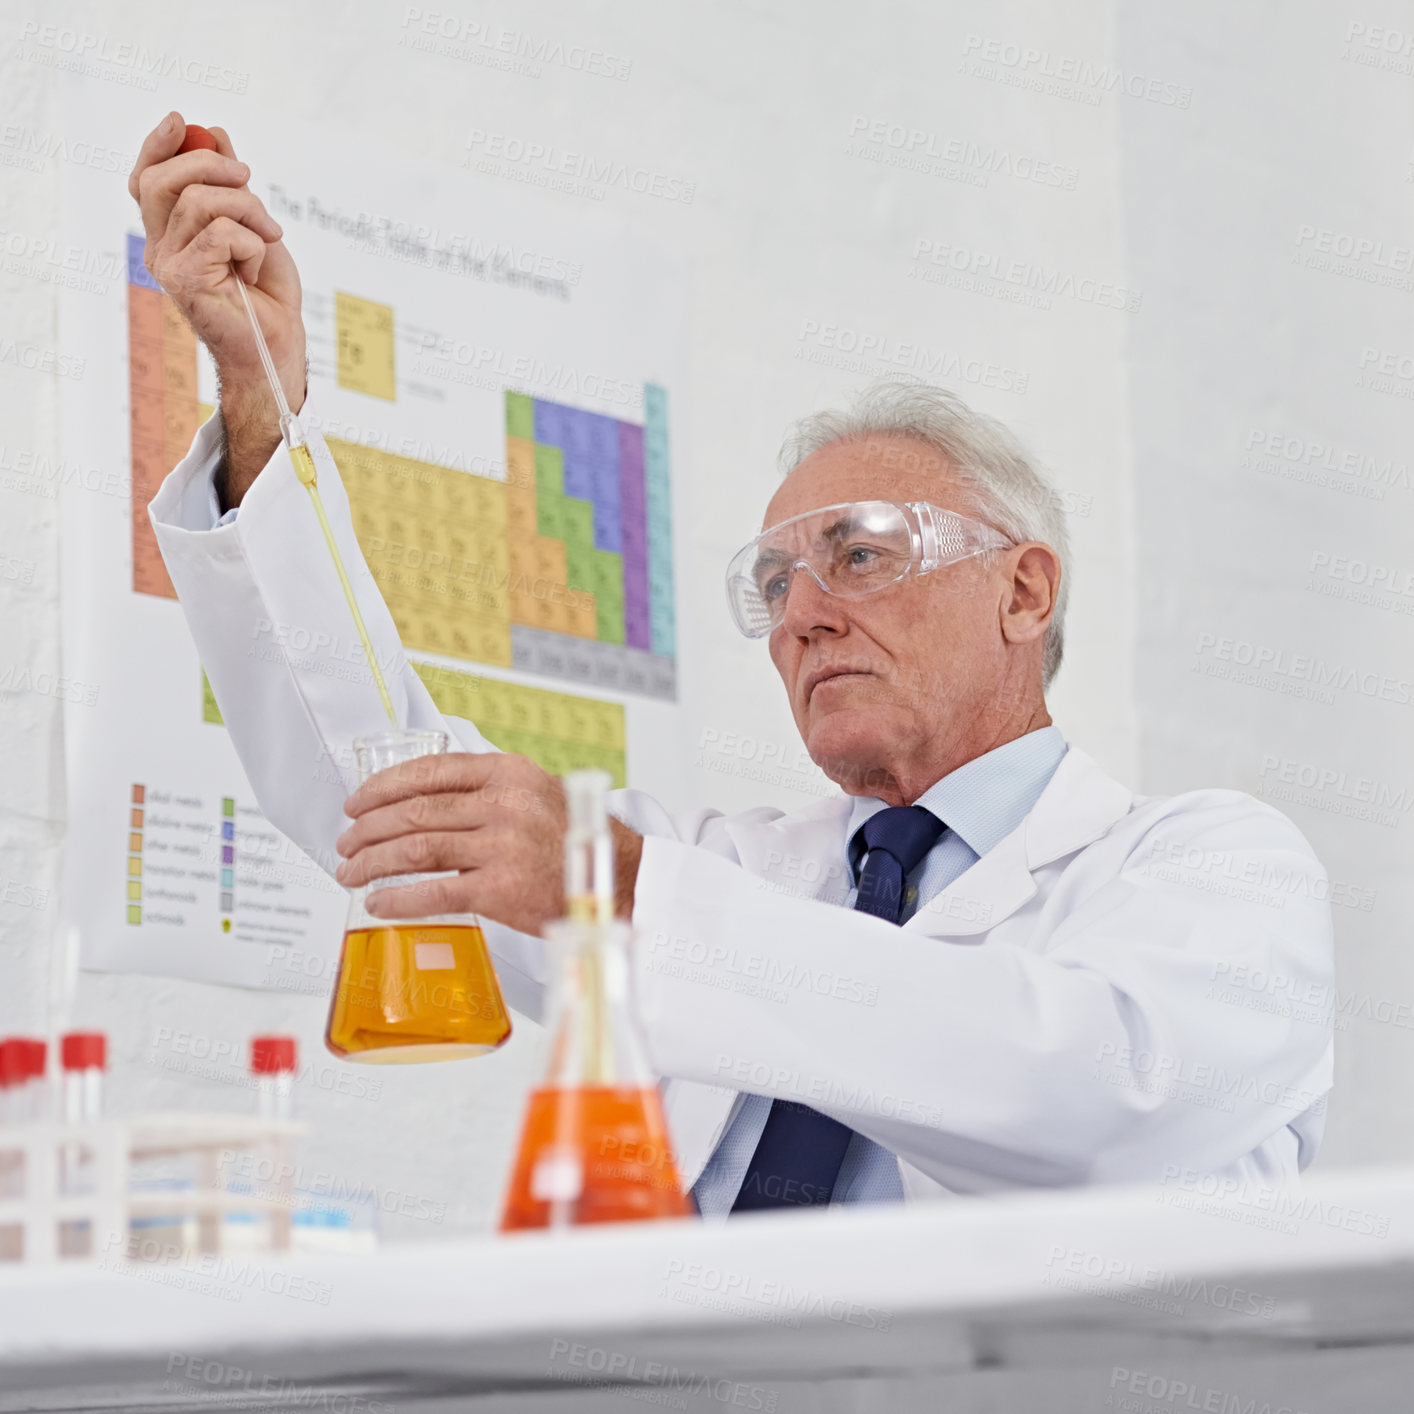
x=292, y=434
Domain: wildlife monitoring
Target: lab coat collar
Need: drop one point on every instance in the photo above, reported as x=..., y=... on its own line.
x=1078, y=805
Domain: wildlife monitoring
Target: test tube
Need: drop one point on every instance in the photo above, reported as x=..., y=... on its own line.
x=84, y=1057
x=29, y=1095
x=9, y=1076
x=273, y=1063
x=12, y=1164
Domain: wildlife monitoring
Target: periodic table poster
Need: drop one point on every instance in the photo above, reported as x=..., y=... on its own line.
x=496, y=378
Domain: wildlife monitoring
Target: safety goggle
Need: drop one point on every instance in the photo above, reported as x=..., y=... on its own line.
x=849, y=550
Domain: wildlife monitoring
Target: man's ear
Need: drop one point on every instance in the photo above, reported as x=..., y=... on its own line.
x=1029, y=597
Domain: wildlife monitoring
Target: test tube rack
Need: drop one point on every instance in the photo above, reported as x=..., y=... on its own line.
x=36, y=1224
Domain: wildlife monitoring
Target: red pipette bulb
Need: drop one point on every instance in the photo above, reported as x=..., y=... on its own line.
x=197, y=139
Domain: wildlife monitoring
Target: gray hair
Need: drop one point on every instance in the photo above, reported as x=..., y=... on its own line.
x=1006, y=489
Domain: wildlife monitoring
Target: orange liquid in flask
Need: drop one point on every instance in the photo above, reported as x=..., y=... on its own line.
x=593, y=1154
x=410, y=992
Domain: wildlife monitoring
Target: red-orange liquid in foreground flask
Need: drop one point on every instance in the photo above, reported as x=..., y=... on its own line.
x=594, y=1147
x=593, y=1154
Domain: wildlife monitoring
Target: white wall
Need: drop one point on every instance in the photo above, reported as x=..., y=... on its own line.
x=794, y=231
x=1302, y=123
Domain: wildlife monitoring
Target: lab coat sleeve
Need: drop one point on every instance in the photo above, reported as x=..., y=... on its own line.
x=1111, y=1048
x=276, y=639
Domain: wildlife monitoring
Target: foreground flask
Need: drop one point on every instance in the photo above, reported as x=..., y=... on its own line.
x=415, y=989
x=594, y=1146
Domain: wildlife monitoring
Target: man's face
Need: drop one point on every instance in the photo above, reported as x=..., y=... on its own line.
x=901, y=674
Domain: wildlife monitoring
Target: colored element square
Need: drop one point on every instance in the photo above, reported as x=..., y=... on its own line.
x=135, y=889
x=365, y=340
x=228, y=829
x=228, y=878
x=228, y=854
x=135, y=865
x=520, y=416
x=135, y=819
x=134, y=913
x=228, y=806
x=227, y=905
x=139, y=794
x=135, y=843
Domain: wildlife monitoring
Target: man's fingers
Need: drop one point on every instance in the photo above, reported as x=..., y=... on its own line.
x=225, y=240
x=457, y=810
x=159, y=185
x=223, y=142
x=460, y=771
x=249, y=269
x=426, y=853
x=160, y=144
x=198, y=206
x=425, y=899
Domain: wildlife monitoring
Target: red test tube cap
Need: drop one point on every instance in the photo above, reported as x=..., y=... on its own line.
x=84, y=1050
x=272, y=1055
x=21, y=1059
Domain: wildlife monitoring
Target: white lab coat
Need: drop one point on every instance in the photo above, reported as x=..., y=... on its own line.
x=1091, y=1002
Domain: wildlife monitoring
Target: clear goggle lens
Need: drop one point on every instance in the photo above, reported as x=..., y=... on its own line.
x=851, y=549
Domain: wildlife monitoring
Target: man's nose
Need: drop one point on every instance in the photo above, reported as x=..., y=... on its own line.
x=810, y=607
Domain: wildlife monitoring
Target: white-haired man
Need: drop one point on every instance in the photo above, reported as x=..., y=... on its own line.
x=984, y=964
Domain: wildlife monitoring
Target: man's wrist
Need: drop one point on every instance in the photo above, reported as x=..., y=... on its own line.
x=250, y=435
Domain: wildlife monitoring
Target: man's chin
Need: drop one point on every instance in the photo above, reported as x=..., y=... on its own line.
x=845, y=745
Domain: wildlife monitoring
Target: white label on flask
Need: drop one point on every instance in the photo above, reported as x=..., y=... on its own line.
x=434, y=957
x=557, y=1178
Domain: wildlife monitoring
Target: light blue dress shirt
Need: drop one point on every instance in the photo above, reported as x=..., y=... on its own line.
x=217, y=519
x=981, y=803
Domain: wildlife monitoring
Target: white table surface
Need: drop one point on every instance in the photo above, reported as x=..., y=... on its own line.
x=965, y=1305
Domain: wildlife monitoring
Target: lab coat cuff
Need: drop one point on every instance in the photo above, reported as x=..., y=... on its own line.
x=186, y=500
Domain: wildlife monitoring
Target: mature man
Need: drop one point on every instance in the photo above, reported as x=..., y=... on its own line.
x=984, y=964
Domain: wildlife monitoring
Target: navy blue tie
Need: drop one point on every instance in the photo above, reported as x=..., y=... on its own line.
x=798, y=1156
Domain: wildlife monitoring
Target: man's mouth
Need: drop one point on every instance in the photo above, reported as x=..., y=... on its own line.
x=822, y=675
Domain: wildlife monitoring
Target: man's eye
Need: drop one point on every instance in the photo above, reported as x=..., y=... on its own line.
x=774, y=587
x=860, y=554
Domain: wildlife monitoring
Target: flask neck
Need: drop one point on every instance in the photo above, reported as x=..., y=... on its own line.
x=597, y=1042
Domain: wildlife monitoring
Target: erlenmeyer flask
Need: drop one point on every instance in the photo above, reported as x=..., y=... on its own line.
x=416, y=989
x=594, y=1146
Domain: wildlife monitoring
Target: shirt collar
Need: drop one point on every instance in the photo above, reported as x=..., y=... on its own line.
x=985, y=799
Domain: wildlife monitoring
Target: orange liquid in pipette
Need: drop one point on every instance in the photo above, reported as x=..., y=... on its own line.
x=411, y=993
x=595, y=1154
